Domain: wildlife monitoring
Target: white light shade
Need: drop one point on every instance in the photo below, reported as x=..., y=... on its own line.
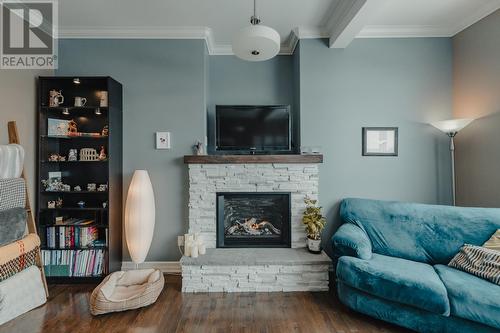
x=452, y=125
x=139, y=216
x=256, y=43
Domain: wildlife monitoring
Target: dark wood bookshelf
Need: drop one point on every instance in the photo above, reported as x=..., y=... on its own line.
x=108, y=221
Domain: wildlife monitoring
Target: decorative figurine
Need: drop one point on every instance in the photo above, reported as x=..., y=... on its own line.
x=59, y=202
x=102, y=188
x=102, y=154
x=62, y=158
x=53, y=185
x=105, y=204
x=55, y=98
x=199, y=149
x=105, y=131
x=51, y=204
x=77, y=188
x=91, y=187
x=73, y=155
x=88, y=154
x=54, y=157
x=66, y=188
x=81, y=204
x=72, y=128
x=103, y=99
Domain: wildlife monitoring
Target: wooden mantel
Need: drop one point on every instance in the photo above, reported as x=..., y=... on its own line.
x=242, y=159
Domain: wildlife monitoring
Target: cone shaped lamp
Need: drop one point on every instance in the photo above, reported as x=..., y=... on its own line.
x=451, y=128
x=139, y=216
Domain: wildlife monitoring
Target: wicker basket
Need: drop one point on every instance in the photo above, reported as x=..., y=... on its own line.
x=128, y=290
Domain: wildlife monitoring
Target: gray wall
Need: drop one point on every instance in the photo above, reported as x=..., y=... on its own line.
x=476, y=71
x=235, y=81
x=18, y=103
x=377, y=82
x=163, y=89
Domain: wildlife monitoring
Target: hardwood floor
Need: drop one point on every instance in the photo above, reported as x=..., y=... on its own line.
x=67, y=311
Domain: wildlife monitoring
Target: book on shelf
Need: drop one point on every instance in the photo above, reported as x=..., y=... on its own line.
x=63, y=237
x=74, y=221
x=74, y=263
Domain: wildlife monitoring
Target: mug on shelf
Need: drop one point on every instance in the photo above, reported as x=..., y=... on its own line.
x=80, y=101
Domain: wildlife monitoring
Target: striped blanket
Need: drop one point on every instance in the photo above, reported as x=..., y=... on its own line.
x=18, y=256
x=479, y=261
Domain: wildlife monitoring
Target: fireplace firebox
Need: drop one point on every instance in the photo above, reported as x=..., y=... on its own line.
x=253, y=219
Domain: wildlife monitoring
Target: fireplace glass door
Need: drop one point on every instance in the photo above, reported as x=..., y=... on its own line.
x=253, y=219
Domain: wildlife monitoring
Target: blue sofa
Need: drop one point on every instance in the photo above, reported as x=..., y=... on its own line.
x=392, y=265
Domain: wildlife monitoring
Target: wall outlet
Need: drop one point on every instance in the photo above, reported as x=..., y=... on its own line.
x=180, y=240
x=162, y=140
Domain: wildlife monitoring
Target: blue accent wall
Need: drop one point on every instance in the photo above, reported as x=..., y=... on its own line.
x=163, y=90
x=377, y=82
x=172, y=84
x=237, y=82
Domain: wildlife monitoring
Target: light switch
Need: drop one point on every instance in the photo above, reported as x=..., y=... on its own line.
x=162, y=140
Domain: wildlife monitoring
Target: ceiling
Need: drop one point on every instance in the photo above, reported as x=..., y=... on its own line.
x=216, y=20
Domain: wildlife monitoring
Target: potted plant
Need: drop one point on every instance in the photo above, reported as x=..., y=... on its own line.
x=314, y=222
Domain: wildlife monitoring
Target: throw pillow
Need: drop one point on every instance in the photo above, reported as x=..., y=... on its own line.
x=479, y=261
x=12, y=224
x=494, y=242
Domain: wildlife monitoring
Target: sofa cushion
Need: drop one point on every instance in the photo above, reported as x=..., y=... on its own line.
x=494, y=242
x=471, y=297
x=426, y=233
x=395, y=279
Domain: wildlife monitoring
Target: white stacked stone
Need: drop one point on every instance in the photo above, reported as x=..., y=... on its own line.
x=205, y=180
x=254, y=278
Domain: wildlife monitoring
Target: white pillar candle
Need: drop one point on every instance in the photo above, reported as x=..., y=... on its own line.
x=187, y=248
x=194, y=250
x=188, y=238
x=201, y=248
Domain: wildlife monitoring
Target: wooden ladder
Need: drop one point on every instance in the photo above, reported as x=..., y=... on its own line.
x=14, y=138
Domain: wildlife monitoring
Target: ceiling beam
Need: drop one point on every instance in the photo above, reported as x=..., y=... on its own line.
x=347, y=18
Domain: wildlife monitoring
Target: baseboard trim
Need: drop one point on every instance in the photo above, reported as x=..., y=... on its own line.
x=171, y=267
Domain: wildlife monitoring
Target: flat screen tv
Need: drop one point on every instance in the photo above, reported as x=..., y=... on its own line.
x=261, y=129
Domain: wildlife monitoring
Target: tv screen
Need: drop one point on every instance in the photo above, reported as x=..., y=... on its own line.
x=253, y=128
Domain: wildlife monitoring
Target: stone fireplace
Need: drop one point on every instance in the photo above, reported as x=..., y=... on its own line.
x=248, y=219
x=248, y=209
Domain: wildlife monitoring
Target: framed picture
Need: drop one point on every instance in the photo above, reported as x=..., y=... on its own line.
x=57, y=127
x=380, y=141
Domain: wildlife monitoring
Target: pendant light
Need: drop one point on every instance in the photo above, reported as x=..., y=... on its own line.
x=256, y=42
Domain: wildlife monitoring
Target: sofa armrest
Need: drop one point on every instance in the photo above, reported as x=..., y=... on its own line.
x=351, y=240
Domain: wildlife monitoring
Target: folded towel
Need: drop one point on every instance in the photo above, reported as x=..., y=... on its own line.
x=11, y=161
x=21, y=293
x=12, y=225
x=18, y=256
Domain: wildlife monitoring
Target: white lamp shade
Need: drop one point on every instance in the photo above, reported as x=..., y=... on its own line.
x=452, y=125
x=256, y=43
x=139, y=216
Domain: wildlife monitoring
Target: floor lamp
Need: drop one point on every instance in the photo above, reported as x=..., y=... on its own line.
x=451, y=128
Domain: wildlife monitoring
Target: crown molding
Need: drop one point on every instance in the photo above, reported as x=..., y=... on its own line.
x=403, y=31
x=135, y=32
x=408, y=31
x=203, y=33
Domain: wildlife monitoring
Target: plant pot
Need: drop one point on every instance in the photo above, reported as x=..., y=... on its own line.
x=314, y=245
